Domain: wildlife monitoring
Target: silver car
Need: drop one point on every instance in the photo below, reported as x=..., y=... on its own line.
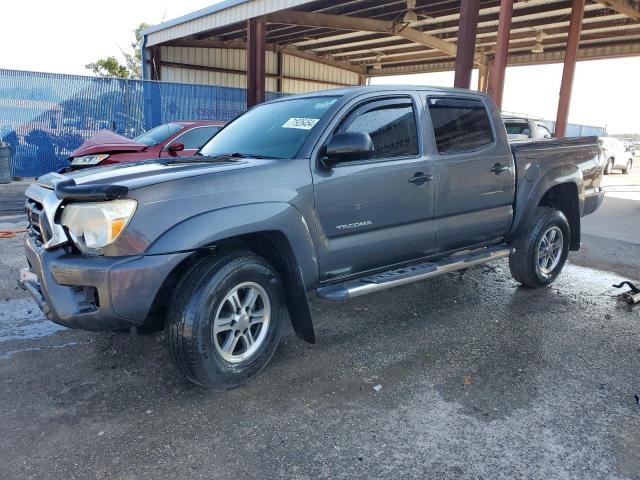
x=618, y=155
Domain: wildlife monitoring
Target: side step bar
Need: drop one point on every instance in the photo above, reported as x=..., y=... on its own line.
x=413, y=273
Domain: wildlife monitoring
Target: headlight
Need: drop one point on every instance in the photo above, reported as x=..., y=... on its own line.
x=89, y=159
x=95, y=225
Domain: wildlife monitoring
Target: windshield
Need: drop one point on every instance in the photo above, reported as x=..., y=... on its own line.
x=158, y=134
x=272, y=130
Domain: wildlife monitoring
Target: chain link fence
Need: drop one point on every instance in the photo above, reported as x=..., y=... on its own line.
x=44, y=116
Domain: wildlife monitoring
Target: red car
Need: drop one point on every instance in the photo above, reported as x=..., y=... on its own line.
x=175, y=139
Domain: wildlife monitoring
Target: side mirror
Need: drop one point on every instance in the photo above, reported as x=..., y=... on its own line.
x=348, y=147
x=176, y=147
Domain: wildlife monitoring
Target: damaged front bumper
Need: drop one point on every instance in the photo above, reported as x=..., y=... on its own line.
x=94, y=293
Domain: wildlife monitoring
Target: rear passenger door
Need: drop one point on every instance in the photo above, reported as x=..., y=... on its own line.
x=376, y=212
x=475, y=173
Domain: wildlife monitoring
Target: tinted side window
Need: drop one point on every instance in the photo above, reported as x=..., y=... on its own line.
x=196, y=137
x=158, y=134
x=459, y=125
x=391, y=125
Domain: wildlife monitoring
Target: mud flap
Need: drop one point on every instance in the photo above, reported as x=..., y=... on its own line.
x=298, y=306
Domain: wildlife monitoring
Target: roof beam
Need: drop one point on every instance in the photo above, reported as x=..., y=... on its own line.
x=308, y=55
x=627, y=7
x=405, y=50
x=338, y=22
x=385, y=46
x=448, y=21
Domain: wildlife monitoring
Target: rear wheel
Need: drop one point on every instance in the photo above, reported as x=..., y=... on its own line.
x=627, y=169
x=542, y=251
x=609, y=168
x=225, y=319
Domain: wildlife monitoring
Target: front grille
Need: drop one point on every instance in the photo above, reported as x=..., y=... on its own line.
x=38, y=226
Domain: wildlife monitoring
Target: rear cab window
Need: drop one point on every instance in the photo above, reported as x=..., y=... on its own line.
x=517, y=127
x=460, y=124
x=391, y=124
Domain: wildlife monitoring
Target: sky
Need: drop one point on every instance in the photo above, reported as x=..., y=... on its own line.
x=64, y=35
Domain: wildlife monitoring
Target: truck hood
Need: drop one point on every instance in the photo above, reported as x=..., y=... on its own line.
x=149, y=172
x=105, y=141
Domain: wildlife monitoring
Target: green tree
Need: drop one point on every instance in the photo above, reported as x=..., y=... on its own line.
x=109, y=67
x=132, y=66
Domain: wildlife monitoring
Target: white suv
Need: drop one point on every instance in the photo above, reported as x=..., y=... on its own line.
x=617, y=155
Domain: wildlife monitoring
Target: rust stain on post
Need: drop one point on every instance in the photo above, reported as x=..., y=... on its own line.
x=570, y=57
x=496, y=79
x=468, y=26
x=256, y=40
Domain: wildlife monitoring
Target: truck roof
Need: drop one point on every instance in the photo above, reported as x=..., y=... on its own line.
x=360, y=90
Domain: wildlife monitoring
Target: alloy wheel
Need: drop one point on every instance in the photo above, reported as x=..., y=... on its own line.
x=549, y=251
x=241, y=323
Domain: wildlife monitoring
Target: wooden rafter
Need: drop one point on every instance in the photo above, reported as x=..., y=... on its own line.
x=338, y=22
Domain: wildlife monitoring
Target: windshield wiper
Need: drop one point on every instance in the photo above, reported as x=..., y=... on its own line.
x=243, y=155
x=220, y=156
x=201, y=159
x=250, y=155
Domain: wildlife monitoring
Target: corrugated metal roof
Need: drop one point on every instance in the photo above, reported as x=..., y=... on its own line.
x=604, y=28
x=219, y=15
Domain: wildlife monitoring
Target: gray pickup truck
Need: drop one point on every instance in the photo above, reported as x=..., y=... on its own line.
x=341, y=193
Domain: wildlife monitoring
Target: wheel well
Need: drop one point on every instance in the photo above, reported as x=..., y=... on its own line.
x=564, y=197
x=274, y=247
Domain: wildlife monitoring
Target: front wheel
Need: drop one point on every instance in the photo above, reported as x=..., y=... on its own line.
x=627, y=170
x=225, y=319
x=542, y=251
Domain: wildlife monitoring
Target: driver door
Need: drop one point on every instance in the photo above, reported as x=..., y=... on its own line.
x=376, y=212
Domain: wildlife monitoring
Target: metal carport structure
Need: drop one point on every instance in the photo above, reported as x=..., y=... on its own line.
x=293, y=46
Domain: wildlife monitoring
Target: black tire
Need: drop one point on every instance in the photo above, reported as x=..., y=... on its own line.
x=198, y=297
x=524, y=262
x=627, y=170
x=609, y=168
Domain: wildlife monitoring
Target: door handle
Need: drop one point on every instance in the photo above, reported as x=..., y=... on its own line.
x=420, y=178
x=498, y=168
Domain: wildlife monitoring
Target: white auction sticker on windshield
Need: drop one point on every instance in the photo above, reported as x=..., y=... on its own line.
x=303, y=123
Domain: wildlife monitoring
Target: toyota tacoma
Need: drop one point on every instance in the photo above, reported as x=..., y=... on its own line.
x=339, y=193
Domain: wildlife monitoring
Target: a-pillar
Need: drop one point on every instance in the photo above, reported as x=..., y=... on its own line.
x=256, y=40
x=467, y=29
x=570, y=57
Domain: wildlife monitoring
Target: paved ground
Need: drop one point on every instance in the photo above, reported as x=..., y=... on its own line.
x=480, y=379
x=611, y=236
